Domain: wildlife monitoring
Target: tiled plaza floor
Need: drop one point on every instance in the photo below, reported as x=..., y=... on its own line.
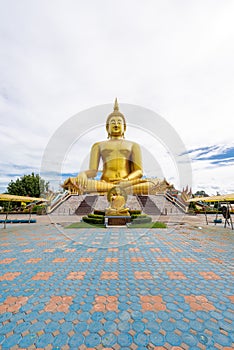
x=116, y=288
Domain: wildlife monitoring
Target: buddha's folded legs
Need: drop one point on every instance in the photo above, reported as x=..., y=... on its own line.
x=134, y=187
x=92, y=185
x=143, y=188
x=148, y=187
x=98, y=186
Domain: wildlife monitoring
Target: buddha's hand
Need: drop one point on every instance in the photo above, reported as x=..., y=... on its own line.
x=124, y=182
x=82, y=180
x=115, y=179
x=118, y=180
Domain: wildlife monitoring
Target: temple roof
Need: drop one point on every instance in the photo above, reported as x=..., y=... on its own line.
x=221, y=198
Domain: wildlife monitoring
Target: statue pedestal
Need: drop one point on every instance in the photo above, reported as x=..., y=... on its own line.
x=117, y=220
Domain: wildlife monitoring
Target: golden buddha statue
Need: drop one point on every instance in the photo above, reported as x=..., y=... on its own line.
x=122, y=164
x=117, y=199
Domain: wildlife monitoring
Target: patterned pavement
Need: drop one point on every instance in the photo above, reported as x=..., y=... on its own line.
x=116, y=288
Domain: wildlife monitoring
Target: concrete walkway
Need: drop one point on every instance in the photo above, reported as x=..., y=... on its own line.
x=116, y=288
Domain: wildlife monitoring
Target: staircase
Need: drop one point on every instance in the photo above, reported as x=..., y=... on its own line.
x=132, y=203
x=87, y=205
x=71, y=204
x=148, y=206
x=102, y=203
x=168, y=205
x=67, y=206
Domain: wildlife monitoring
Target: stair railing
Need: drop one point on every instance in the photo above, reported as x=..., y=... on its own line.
x=176, y=201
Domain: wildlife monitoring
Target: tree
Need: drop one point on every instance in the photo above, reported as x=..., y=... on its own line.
x=28, y=185
x=201, y=194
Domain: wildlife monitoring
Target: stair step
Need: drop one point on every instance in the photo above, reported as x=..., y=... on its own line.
x=148, y=206
x=86, y=206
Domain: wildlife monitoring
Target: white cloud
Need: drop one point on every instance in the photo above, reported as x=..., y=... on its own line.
x=61, y=57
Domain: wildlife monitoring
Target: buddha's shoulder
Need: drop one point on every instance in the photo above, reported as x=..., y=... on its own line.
x=97, y=144
x=108, y=142
x=131, y=143
x=118, y=141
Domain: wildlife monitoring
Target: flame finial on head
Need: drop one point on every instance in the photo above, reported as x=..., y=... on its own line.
x=116, y=105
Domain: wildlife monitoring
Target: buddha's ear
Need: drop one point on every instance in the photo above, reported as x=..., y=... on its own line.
x=107, y=130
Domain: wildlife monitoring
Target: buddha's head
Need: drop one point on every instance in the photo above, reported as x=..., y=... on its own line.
x=116, y=123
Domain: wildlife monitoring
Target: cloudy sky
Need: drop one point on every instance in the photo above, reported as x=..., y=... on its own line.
x=62, y=57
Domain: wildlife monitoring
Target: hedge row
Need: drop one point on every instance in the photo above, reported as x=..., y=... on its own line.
x=98, y=217
x=99, y=212
x=93, y=219
x=134, y=212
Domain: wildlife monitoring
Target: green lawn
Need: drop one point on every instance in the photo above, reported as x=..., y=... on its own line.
x=84, y=225
x=148, y=225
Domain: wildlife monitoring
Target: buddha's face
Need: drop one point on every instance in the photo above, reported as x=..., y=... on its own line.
x=116, y=126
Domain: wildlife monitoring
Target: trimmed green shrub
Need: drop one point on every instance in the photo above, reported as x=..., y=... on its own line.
x=93, y=221
x=39, y=209
x=133, y=212
x=95, y=216
x=99, y=212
